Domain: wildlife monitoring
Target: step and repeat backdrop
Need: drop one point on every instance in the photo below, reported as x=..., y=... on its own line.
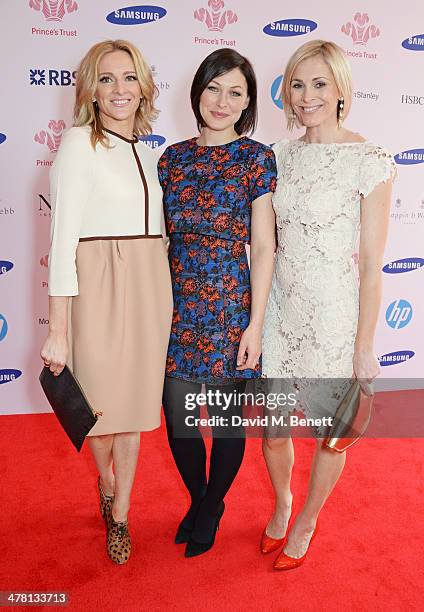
x=41, y=45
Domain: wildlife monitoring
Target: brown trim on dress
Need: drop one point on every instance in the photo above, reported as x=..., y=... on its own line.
x=146, y=190
x=134, y=140
x=137, y=236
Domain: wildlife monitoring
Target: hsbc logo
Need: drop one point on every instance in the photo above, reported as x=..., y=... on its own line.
x=52, y=77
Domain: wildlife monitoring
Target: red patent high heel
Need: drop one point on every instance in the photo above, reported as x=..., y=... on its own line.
x=269, y=545
x=285, y=562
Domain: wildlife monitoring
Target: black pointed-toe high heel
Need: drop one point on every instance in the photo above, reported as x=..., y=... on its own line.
x=183, y=534
x=194, y=548
x=187, y=524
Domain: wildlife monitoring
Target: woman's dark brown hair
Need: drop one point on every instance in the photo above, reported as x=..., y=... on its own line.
x=217, y=63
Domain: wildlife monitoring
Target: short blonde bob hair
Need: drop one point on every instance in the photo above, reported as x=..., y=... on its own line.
x=334, y=57
x=86, y=112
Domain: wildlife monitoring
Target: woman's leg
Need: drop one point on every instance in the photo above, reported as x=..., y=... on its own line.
x=186, y=442
x=326, y=469
x=101, y=447
x=279, y=457
x=125, y=456
x=226, y=458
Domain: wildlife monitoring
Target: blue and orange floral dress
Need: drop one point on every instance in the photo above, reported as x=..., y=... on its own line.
x=208, y=193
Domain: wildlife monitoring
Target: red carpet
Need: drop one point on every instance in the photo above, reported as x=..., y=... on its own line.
x=367, y=556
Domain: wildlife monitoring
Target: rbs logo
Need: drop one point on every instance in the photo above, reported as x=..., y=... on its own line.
x=399, y=314
x=61, y=78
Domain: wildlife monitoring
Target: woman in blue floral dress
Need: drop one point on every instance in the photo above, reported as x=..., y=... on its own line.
x=217, y=198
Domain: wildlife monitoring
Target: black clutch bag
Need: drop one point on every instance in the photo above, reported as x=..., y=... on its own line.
x=351, y=419
x=69, y=404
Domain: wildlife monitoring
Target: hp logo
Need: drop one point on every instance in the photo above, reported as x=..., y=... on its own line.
x=399, y=314
x=277, y=91
x=3, y=327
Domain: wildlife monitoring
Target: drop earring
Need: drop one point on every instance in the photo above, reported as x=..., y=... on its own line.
x=340, y=108
x=291, y=120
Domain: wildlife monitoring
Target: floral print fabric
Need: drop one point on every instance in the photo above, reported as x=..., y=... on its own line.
x=208, y=193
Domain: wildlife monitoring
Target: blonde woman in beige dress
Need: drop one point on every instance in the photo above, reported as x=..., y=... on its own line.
x=110, y=299
x=332, y=183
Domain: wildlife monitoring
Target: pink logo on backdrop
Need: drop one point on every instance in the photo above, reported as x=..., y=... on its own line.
x=215, y=18
x=54, y=10
x=44, y=261
x=360, y=31
x=52, y=137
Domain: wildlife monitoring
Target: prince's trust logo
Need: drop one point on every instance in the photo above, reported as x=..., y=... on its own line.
x=215, y=18
x=54, y=10
x=53, y=136
x=360, y=31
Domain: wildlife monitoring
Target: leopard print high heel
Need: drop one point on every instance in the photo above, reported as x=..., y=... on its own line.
x=118, y=541
x=105, y=503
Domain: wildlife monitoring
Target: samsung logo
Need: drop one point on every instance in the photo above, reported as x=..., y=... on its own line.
x=290, y=27
x=2, y=138
x=9, y=375
x=153, y=140
x=414, y=156
x=404, y=265
x=414, y=43
x=396, y=357
x=133, y=15
x=5, y=266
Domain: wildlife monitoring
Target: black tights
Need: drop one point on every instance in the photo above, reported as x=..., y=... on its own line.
x=189, y=452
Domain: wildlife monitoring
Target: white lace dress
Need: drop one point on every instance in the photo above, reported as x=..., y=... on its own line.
x=312, y=312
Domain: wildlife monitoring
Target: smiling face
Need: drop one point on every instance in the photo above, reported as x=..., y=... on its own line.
x=223, y=101
x=118, y=92
x=313, y=93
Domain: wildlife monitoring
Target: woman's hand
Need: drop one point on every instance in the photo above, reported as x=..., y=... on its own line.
x=365, y=368
x=250, y=348
x=55, y=352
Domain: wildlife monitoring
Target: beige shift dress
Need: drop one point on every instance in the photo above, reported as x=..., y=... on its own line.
x=108, y=254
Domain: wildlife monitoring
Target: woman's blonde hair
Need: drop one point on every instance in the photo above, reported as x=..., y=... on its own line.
x=86, y=112
x=334, y=57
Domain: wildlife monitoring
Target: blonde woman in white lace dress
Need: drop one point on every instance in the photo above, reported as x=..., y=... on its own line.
x=319, y=323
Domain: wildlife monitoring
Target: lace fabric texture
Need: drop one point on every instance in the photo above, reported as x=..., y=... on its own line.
x=312, y=313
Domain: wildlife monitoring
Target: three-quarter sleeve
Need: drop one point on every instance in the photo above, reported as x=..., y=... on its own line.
x=262, y=174
x=378, y=166
x=71, y=182
x=163, y=167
